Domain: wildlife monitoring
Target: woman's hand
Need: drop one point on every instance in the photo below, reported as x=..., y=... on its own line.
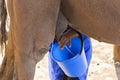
x=66, y=37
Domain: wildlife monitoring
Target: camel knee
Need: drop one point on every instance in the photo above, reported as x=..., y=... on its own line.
x=39, y=54
x=33, y=53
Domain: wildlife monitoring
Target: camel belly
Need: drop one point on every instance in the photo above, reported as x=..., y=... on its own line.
x=99, y=19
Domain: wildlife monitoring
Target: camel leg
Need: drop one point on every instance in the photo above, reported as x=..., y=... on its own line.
x=25, y=66
x=33, y=27
x=117, y=52
x=7, y=67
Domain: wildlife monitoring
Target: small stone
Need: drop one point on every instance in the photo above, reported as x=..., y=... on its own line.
x=98, y=64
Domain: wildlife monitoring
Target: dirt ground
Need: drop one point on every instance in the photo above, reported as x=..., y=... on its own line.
x=102, y=66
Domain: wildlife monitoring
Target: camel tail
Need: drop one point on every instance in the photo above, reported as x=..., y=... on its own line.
x=3, y=16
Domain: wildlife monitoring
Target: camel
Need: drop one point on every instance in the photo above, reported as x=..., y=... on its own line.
x=33, y=24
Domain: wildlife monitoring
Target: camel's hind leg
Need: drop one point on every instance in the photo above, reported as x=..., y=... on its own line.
x=7, y=67
x=32, y=28
x=34, y=24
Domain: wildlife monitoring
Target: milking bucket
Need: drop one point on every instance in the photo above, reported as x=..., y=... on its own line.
x=72, y=60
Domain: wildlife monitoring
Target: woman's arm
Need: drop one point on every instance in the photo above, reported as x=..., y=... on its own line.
x=61, y=36
x=66, y=37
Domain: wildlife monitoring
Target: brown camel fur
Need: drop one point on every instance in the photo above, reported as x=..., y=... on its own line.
x=32, y=28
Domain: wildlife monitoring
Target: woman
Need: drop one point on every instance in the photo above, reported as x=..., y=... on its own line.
x=64, y=33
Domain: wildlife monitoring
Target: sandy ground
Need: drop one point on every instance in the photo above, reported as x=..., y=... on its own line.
x=102, y=66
